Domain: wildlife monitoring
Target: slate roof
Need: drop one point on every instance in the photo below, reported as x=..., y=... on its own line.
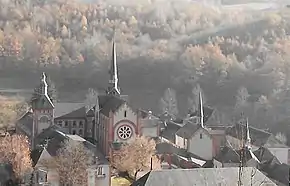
x=56, y=138
x=263, y=154
x=229, y=155
x=63, y=109
x=178, y=155
x=188, y=130
x=25, y=123
x=169, y=131
x=109, y=103
x=258, y=137
x=278, y=172
x=203, y=176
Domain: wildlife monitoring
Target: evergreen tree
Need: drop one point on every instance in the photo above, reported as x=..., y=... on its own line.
x=168, y=103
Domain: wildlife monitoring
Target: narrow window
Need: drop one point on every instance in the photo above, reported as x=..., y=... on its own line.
x=81, y=124
x=100, y=171
x=66, y=123
x=80, y=132
x=125, y=114
x=74, y=124
x=200, y=136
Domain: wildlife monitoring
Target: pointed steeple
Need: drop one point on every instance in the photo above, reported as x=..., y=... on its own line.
x=40, y=98
x=248, y=138
x=44, y=86
x=113, y=88
x=201, y=110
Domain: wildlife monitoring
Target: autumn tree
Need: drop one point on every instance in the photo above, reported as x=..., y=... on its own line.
x=281, y=137
x=71, y=163
x=15, y=150
x=135, y=156
x=11, y=108
x=168, y=103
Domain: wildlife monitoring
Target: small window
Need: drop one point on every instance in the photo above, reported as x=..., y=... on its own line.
x=200, y=136
x=59, y=123
x=81, y=124
x=125, y=114
x=66, y=123
x=74, y=124
x=73, y=132
x=81, y=132
x=100, y=171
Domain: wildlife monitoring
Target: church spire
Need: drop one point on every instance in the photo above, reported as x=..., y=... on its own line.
x=44, y=85
x=201, y=110
x=113, y=88
x=248, y=138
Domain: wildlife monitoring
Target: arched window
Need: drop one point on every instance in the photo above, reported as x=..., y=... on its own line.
x=74, y=132
x=80, y=132
x=81, y=124
x=43, y=119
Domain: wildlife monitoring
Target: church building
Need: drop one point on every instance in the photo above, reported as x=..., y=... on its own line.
x=109, y=120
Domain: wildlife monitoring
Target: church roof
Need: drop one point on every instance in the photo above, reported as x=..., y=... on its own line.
x=109, y=103
x=62, y=109
x=25, y=123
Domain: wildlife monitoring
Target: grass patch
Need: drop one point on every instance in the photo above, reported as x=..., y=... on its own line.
x=119, y=181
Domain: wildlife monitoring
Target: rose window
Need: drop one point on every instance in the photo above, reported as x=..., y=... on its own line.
x=124, y=132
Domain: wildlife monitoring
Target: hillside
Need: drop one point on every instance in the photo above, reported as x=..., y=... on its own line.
x=160, y=44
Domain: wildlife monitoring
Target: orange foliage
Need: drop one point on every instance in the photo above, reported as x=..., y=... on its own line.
x=136, y=156
x=15, y=150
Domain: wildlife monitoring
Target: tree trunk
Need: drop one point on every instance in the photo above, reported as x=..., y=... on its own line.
x=135, y=175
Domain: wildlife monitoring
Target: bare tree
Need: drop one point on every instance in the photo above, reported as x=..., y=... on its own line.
x=193, y=100
x=168, y=103
x=15, y=150
x=71, y=163
x=136, y=156
x=282, y=137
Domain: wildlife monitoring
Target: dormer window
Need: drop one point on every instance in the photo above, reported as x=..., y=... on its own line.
x=125, y=114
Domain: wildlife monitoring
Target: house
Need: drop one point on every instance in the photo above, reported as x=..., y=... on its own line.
x=230, y=157
x=174, y=157
x=204, y=176
x=259, y=138
x=197, y=138
x=150, y=124
x=54, y=141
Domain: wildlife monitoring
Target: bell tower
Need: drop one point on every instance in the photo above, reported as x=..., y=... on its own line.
x=42, y=108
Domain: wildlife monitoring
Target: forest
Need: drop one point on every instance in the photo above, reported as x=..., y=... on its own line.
x=238, y=58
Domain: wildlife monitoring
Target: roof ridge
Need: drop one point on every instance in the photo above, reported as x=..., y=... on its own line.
x=251, y=127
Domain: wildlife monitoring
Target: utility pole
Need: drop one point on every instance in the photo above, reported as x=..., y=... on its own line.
x=241, y=157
